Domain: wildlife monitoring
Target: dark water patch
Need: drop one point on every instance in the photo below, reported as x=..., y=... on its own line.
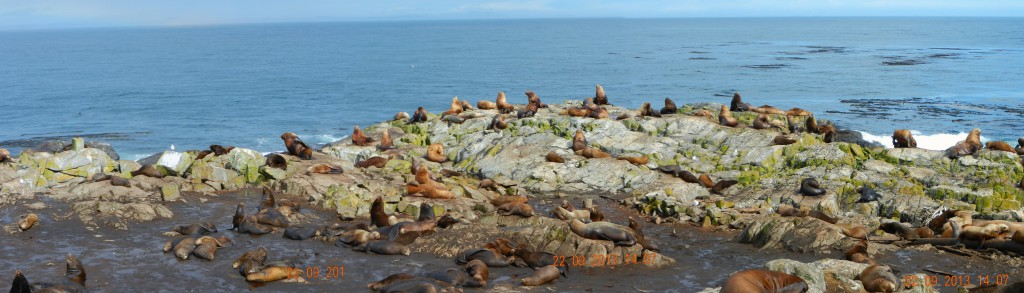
x=767, y=66
x=790, y=58
x=826, y=49
x=703, y=58
x=904, y=62
x=699, y=52
x=944, y=56
x=951, y=49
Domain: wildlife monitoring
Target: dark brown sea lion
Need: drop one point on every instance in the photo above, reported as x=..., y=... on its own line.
x=277, y=161
x=519, y=209
x=725, y=118
x=901, y=138
x=638, y=160
x=984, y=233
x=250, y=261
x=20, y=283
x=488, y=256
x=967, y=147
x=784, y=140
x=858, y=252
x=868, y=194
x=324, y=168
x=184, y=247
x=596, y=215
x=302, y=233
x=879, y=278
x=600, y=113
x=764, y=121
x=446, y=221
x=5, y=156
x=900, y=229
x=385, y=141
x=638, y=231
x=296, y=147
x=486, y=105
x=497, y=123
x=542, y=276
x=249, y=225
x=599, y=97
x=794, y=127
x=827, y=131
x=456, y=277
x=375, y=161
x=196, y=229
x=532, y=98
x=478, y=269
x=148, y=171
x=647, y=111
x=811, y=187
x=28, y=221
x=435, y=153
x=737, y=104
x=359, y=138
x=376, y=286
x=419, y=116
x=579, y=142
x=679, y=173
x=670, y=107
x=219, y=150
x=503, y=106
x=553, y=157
x=1000, y=146
x=74, y=278
x=236, y=220
x=621, y=235
x=763, y=281
x=384, y=247
x=203, y=154
x=272, y=217
x=527, y=257
x=530, y=110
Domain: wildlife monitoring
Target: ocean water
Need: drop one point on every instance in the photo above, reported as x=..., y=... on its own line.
x=144, y=89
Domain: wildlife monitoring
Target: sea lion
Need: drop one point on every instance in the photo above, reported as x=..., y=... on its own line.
x=203, y=154
x=250, y=261
x=967, y=147
x=679, y=173
x=218, y=150
x=984, y=233
x=646, y=111
x=20, y=283
x=532, y=98
x=855, y=231
x=428, y=191
x=184, y=247
x=503, y=106
x=375, y=161
x=359, y=138
x=377, y=215
x=385, y=141
x=637, y=161
x=766, y=109
x=498, y=201
x=502, y=246
x=28, y=221
x=273, y=272
x=619, y=234
x=74, y=278
x=302, y=233
x=356, y=237
x=519, y=209
x=236, y=220
x=827, y=131
x=868, y=194
x=790, y=211
x=296, y=147
x=794, y=127
x=465, y=105
x=553, y=157
x=497, y=123
x=446, y=221
x=541, y=276
x=435, y=153
x=417, y=285
x=452, y=119
x=596, y=215
x=419, y=116
x=562, y=213
x=599, y=96
x=385, y=247
x=798, y=112
x=737, y=104
x=670, y=107
x=530, y=110
x=901, y=138
x=272, y=217
x=858, y=252
x=811, y=187
x=725, y=118
x=705, y=181
x=395, y=278
x=600, y=113
x=782, y=139
x=579, y=142
x=400, y=116
x=486, y=105
x=454, y=109
x=1000, y=146
x=764, y=121
x=206, y=247
x=1020, y=147
x=487, y=256
x=250, y=225
x=277, y=161
x=456, y=277
x=900, y=229
x=423, y=177
x=576, y=112
x=593, y=153
x=148, y=171
x=5, y=156
x=701, y=113
x=879, y=278
x=324, y=168
x=196, y=229
x=638, y=231
x=478, y=269
x=763, y=281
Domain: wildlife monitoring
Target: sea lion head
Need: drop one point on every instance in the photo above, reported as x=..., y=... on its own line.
x=974, y=138
x=75, y=270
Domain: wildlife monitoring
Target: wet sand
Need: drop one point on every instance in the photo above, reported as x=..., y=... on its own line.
x=132, y=260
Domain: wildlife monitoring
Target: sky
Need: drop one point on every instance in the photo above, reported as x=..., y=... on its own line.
x=44, y=14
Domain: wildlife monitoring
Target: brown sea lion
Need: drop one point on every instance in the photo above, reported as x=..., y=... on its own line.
x=428, y=191
x=400, y=116
x=576, y=112
x=794, y=127
x=302, y=233
x=384, y=247
x=529, y=111
x=454, y=109
x=498, y=201
x=541, y=276
x=621, y=235
x=277, y=161
x=766, y=109
x=501, y=246
x=423, y=177
x=811, y=187
x=5, y=156
x=900, y=229
x=647, y=111
x=324, y=168
x=250, y=261
x=273, y=272
x=1000, y=146
x=488, y=256
x=532, y=98
x=148, y=171
x=203, y=154
x=855, y=231
x=359, y=138
x=879, y=278
x=722, y=185
x=435, y=153
x=357, y=237
x=901, y=138
x=375, y=161
x=272, y=217
x=725, y=118
x=967, y=147
x=985, y=232
x=196, y=229
x=784, y=140
x=563, y=213
x=486, y=105
x=74, y=279
x=456, y=277
x=638, y=160
x=28, y=221
x=250, y=225
x=600, y=113
x=497, y=123
x=638, y=231
x=679, y=172
x=465, y=105
x=858, y=252
x=737, y=104
x=478, y=269
x=670, y=107
x=827, y=131
x=764, y=121
x=798, y=112
x=579, y=142
x=593, y=153
x=503, y=106
x=419, y=116
x=385, y=141
x=392, y=279
x=705, y=181
x=446, y=221
x=519, y=209
x=763, y=281
x=296, y=147
x=553, y=157
x=701, y=113
x=206, y=247
x=789, y=211
x=599, y=96
x=184, y=247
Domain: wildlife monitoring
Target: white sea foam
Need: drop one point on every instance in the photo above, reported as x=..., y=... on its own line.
x=937, y=141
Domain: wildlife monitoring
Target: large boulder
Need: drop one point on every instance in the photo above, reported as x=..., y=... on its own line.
x=170, y=163
x=797, y=234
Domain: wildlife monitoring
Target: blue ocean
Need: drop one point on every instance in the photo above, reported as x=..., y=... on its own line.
x=143, y=89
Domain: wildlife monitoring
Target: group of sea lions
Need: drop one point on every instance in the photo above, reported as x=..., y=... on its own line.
x=74, y=279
